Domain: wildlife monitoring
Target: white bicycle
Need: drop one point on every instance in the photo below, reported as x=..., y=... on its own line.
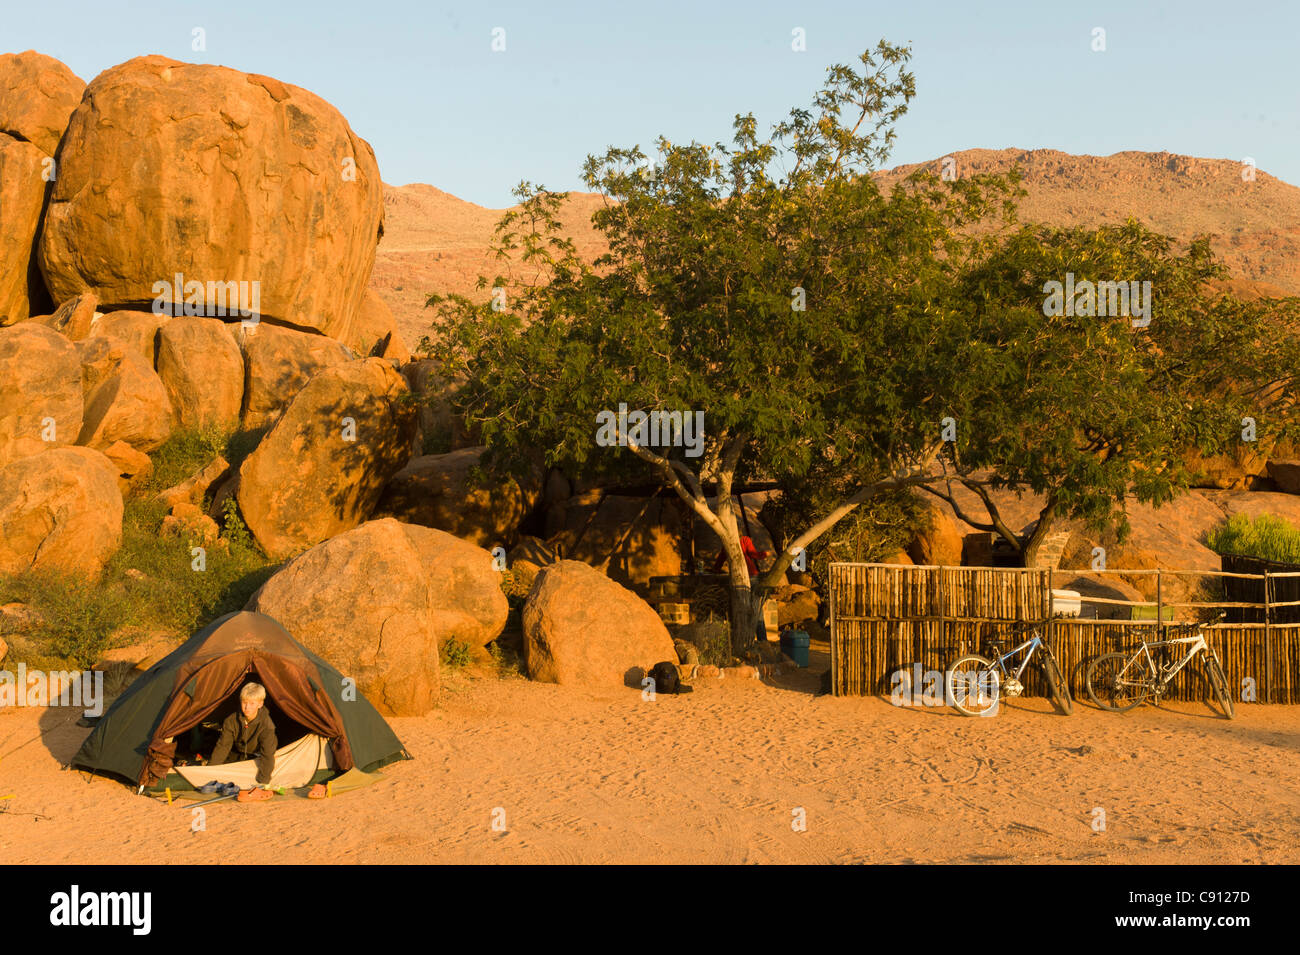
x=1120, y=681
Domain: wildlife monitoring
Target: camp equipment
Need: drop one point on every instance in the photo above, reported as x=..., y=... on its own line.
x=136, y=738
x=794, y=644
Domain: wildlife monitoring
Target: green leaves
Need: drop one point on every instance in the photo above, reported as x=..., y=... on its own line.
x=770, y=284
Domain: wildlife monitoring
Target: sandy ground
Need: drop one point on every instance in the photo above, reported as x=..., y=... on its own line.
x=715, y=776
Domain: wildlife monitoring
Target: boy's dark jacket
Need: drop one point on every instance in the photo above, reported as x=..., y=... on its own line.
x=254, y=741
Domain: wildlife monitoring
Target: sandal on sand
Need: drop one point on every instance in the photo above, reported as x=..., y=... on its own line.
x=222, y=789
x=255, y=795
x=317, y=791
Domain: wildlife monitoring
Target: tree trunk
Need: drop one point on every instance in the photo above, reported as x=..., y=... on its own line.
x=744, y=623
x=744, y=620
x=1046, y=518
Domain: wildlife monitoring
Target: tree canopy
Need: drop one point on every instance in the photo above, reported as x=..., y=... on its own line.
x=839, y=341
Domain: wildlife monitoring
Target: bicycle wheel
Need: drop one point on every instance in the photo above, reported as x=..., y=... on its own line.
x=1056, y=685
x=1111, y=688
x=1219, y=684
x=973, y=686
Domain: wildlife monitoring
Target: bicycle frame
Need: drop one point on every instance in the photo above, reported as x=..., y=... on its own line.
x=1162, y=677
x=1033, y=643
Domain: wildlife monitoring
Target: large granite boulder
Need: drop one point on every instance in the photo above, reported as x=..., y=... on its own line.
x=203, y=370
x=938, y=542
x=279, y=362
x=436, y=490
x=125, y=400
x=321, y=469
x=218, y=176
x=377, y=601
x=60, y=509
x=37, y=96
x=40, y=391
x=22, y=196
x=139, y=330
x=581, y=628
x=374, y=331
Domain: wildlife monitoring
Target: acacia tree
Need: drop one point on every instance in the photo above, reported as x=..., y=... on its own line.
x=835, y=337
x=1096, y=401
x=807, y=315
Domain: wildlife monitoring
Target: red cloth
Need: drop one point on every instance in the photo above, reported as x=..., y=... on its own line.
x=750, y=552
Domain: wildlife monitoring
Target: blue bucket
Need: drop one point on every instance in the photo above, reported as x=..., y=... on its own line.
x=794, y=644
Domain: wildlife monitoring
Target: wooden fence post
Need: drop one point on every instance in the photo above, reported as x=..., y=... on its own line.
x=1160, y=606
x=940, y=598
x=1268, y=642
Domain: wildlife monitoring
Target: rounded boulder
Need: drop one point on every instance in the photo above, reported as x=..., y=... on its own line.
x=380, y=599
x=321, y=468
x=60, y=509
x=40, y=391
x=583, y=629
x=176, y=169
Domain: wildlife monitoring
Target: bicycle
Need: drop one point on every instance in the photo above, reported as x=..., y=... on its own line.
x=1119, y=681
x=975, y=684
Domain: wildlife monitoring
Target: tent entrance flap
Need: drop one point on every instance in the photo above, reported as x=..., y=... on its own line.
x=217, y=680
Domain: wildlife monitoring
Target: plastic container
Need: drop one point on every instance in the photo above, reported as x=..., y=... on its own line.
x=794, y=644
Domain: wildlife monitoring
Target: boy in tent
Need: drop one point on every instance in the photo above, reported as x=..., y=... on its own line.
x=249, y=734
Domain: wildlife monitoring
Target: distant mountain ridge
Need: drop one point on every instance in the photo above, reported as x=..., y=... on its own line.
x=435, y=242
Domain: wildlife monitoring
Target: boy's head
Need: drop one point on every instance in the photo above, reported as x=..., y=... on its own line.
x=251, y=698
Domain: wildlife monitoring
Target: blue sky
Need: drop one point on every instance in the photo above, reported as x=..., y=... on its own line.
x=421, y=82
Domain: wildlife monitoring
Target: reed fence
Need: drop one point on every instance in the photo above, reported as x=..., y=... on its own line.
x=886, y=618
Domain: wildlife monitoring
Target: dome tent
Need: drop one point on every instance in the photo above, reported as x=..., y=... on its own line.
x=135, y=739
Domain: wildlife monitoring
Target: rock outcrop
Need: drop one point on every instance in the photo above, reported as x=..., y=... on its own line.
x=279, y=362
x=60, y=509
x=37, y=97
x=22, y=196
x=221, y=177
x=378, y=600
x=321, y=469
x=139, y=330
x=436, y=490
x=73, y=318
x=125, y=400
x=581, y=628
x=374, y=331
x=203, y=370
x=40, y=391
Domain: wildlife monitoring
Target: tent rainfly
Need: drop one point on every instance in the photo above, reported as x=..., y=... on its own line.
x=136, y=738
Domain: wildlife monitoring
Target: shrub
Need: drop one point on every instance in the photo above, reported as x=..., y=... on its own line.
x=164, y=592
x=1266, y=538
x=712, y=638
x=187, y=451
x=74, y=619
x=455, y=654
x=509, y=664
x=181, y=455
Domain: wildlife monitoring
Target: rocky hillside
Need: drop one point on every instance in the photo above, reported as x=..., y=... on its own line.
x=1256, y=224
x=436, y=242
